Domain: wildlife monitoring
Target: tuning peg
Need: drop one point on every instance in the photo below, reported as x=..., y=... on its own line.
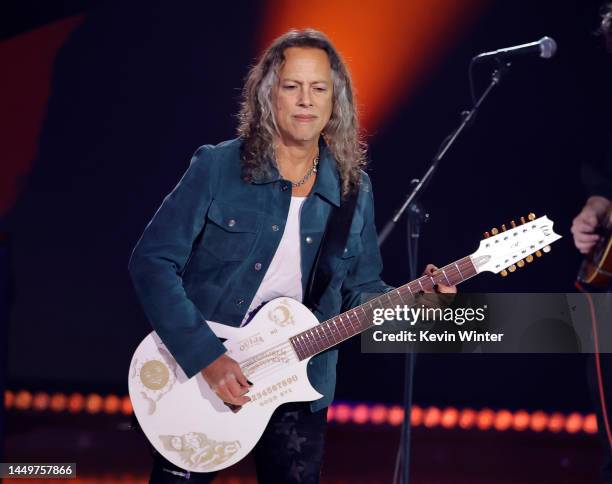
x=521, y=263
x=538, y=253
x=523, y=220
x=512, y=268
x=504, y=273
x=503, y=227
x=546, y=249
x=529, y=258
x=513, y=223
x=494, y=231
x=531, y=216
x=487, y=235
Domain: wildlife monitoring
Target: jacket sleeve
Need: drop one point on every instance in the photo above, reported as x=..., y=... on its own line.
x=363, y=280
x=160, y=257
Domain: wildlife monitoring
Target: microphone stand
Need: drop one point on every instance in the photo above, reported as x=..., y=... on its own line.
x=416, y=218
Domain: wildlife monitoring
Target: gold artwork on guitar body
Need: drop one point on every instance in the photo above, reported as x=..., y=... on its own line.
x=156, y=378
x=281, y=315
x=199, y=451
x=154, y=375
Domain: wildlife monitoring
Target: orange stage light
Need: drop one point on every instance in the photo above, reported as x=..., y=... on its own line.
x=503, y=420
x=556, y=422
x=390, y=47
x=539, y=421
x=112, y=404
x=590, y=424
x=361, y=414
x=94, y=403
x=126, y=406
x=396, y=415
x=9, y=399
x=485, y=419
x=342, y=413
x=467, y=418
x=24, y=92
x=521, y=421
x=76, y=403
x=574, y=423
x=330, y=413
x=23, y=400
x=58, y=402
x=416, y=416
x=431, y=417
x=378, y=414
x=450, y=418
x=40, y=401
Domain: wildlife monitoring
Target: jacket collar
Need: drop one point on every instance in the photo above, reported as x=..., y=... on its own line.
x=327, y=184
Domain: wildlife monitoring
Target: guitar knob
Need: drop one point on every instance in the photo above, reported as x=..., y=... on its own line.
x=523, y=220
x=512, y=268
x=494, y=231
x=538, y=253
x=529, y=258
x=531, y=216
x=487, y=235
x=513, y=223
x=504, y=273
x=503, y=227
x=546, y=249
x=521, y=263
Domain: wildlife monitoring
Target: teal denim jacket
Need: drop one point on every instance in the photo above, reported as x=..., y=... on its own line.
x=206, y=250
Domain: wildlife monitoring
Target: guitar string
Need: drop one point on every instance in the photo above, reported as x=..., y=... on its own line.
x=315, y=339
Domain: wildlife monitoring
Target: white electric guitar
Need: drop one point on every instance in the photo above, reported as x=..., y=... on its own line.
x=192, y=428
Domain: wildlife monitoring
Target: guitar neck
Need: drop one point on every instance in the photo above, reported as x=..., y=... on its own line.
x=354, y=321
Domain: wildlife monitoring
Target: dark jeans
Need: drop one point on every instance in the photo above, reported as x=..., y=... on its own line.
x=289, y=451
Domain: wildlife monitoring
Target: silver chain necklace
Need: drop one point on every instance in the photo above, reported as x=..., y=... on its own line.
x=311, y=170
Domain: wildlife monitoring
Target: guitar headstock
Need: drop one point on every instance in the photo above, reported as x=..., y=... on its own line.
x=503, y=250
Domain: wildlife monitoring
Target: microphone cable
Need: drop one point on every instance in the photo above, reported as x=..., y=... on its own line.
x=600, y=383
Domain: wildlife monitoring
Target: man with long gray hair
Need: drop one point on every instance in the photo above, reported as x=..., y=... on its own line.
x=244, y=226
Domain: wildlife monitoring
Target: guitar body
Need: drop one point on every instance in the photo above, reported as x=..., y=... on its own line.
x=596, y=269
x=188, y=423
x=192, y=428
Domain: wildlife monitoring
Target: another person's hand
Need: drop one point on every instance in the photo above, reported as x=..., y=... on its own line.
x=587, y=221
x=226, y=379
x=440, y=288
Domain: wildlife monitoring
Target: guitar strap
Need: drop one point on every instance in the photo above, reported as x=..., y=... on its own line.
x=332, y=246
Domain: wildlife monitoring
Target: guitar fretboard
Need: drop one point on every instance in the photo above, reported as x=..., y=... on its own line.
x=356, y=320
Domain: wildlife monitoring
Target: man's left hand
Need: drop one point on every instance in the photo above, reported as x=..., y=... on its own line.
x=439, y=288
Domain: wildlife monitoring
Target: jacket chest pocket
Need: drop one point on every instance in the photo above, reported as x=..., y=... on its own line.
x=230, y=231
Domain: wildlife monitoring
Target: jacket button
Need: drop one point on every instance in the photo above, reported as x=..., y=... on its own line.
x=239, y=302
x=275, y=228
x=257, y=266
x=309, y=240
x=284, y=187
x=231, y=222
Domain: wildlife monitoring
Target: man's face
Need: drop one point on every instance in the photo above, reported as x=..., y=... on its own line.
x=303, y=97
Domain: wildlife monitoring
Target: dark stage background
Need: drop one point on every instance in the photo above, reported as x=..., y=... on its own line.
x=137, y=86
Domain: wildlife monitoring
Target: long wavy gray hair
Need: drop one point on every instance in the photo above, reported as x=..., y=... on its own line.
x=257, y=124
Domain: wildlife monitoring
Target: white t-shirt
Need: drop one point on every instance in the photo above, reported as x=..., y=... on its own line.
x=284, y=276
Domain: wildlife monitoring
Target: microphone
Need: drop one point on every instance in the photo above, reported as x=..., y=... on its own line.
x=545, y=48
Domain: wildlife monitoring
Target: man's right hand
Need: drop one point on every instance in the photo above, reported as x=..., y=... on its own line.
x=225, y=378
x=587, y=221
